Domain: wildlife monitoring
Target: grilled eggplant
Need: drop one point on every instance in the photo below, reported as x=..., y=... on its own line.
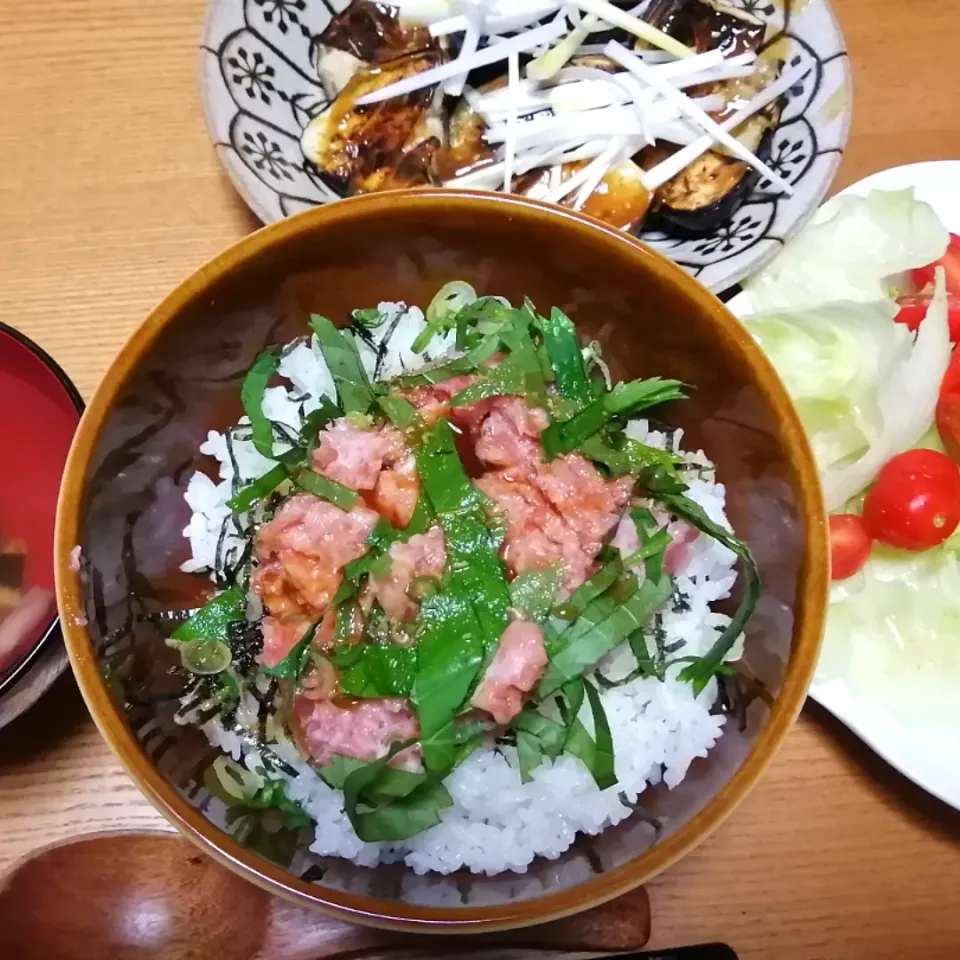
x=466, y=151
x=711, y=189
x=363, y=34
x=707, y=25
x=620, y=199
x=382, y=146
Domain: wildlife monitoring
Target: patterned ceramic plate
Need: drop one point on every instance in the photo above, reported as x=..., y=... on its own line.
x=260, y=89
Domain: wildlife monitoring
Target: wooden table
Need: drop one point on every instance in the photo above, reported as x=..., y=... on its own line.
x=110, y=194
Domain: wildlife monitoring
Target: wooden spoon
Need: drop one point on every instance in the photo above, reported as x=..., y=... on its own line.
x=155, y=897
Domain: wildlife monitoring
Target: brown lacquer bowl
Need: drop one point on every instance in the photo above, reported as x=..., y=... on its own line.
x=180, y=375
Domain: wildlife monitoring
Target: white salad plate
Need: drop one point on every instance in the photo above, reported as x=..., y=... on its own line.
x=923, y=743
x=260, y=89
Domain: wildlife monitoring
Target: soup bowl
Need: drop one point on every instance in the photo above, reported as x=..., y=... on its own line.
x=122, y=513
x=41, y=411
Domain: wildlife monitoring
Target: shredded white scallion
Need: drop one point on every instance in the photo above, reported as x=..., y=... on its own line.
x=564, y=110
x=670, y=167
x=481, y=58
x=510, y=147
x=646, y=73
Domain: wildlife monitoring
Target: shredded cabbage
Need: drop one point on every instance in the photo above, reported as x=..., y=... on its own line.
x=864, y=386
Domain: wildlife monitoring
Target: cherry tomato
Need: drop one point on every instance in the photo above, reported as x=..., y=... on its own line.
x=915, y=502
x=948, y=409
x=951, y=379
x=923, y=276
x=913, y=309
x=849, y=545
x=948, y=424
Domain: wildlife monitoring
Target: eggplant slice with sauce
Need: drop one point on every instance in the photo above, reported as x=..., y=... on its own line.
x=365, y=33
x=465, y=150
x=707, y=25
x=383, y=146
x=620, y=199
x=710, y=190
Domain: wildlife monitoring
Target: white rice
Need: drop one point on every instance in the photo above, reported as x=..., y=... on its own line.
x=496, y=822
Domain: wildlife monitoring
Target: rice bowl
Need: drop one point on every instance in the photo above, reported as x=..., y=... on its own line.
x=144, y=453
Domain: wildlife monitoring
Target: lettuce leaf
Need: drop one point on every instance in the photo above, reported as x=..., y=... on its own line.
x=849, y=250
x=864, y=386
x=907, y=392
x=891, y=633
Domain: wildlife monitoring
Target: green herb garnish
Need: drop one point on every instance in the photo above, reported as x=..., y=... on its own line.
x=380, y=670
x=344, y=364
x=538, y=737
x=460, y=625
x=533, y=592
x=321, y=486
x=205, y=656
x=400, y=411
x=624, y=399
x=368, y=317
x=605, y=624
x=212, y=621
x=254, y=492
x=700, y=669
x=295, y=663
x=603, y=769
x=251, y=395
x=566, y=359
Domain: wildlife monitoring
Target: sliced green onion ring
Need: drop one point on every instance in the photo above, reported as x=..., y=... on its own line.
x=451, y=298
x=205, y=656
x=237, y=782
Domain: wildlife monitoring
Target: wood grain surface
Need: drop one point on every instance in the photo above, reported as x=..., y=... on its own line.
x=110, y=194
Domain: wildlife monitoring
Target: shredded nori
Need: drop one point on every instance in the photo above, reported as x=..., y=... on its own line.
x=266, y=699
x=385, y=343
x=246, y=643
x=228, y=438
x=219, y=560
x=362, y=333
x=168, y=617
x=272, y=762
x=196, y=695
x=286, y=435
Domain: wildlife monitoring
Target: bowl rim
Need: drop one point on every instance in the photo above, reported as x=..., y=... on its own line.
x=22, y=667
x=809, y=613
